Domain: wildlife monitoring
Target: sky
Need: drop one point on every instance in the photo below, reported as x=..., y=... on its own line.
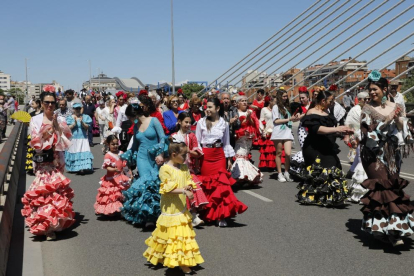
x=132, y=38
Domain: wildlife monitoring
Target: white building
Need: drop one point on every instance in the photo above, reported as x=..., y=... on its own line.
x=4, y=81
x=255, y=78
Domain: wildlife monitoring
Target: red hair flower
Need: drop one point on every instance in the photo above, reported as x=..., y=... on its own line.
x=267, y=99
x=180, y=91
x=143, y=92
x=119, y=93
x=49, y=88
x=333, y=87
x=241, y=93
x=303, y=89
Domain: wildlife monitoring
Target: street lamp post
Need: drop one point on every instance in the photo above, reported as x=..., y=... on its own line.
x=172, y=47
x=90, y=75
x=27, y=85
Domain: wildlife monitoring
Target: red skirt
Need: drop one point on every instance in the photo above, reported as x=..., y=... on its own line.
x=217, y=182
x=267, y=153
x=200, y=198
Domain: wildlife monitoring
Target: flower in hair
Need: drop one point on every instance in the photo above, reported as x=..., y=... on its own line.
x=143, y=92
x=375, y=75
x=303, y=89
x=267, y=99
x=49, y=88
x=119, y=93
x=241, y=93
x=180, y=91
x=333, y=87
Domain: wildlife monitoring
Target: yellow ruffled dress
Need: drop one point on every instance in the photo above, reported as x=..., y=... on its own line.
x=173, y=241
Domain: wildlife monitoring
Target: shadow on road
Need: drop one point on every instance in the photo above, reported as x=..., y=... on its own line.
x=173, y=271
x=367, y=240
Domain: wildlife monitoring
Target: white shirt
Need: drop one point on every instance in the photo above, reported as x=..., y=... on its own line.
x=121, y=116
x=353, y=120
x=103, y=114
x=220, y=131
x=266, y=115
x=399, y=99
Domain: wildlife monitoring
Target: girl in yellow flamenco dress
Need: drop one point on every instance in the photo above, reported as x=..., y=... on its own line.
x=173, y=241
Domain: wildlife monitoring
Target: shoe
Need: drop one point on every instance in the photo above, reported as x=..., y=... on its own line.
x=281, y=178
x=91, y=145
x=149, y=224
x=395, y=241
x=186, y=269
x=222, y=223
x=51, y=236
x=287, y=177
x=197, y=221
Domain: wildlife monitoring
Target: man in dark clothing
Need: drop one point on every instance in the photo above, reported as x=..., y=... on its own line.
x=89, y=109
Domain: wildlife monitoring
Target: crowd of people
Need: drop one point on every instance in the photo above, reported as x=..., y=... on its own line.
x=172, y=162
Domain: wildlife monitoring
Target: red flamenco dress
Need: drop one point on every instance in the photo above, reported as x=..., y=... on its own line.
x=267, y=150
x=110, y=198
x=257, y=111
x=47, y=205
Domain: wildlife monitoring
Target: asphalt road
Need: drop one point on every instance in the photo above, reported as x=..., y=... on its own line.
x=275, y=236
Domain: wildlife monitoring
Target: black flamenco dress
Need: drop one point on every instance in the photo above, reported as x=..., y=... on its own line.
x=323, y=180
x=387, y=209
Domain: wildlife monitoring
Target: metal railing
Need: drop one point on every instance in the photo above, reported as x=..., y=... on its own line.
x=12, y=159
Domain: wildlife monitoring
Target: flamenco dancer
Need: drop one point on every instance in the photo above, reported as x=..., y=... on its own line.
x=213, y=136
x=267, y=147
x=385, y=137
x=297, y=162
x=243, y=170
x=257, y=107
x=173, y=241
x=109, y=199
x=324, y=182
x=47, y=205
x=184, y=135
x=142, y=199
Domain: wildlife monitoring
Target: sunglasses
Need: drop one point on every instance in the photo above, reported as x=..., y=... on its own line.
x=174, y=101
x=78, y=108
x=49, y=103
x=367, y=99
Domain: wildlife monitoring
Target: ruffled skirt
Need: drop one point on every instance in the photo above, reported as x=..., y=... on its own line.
x=142, y=199
x=95, y=128
x=110, y=198
x=297, y=163
x=79, y=160
x=267, y=153
x=47, y=205
x=357, y=191
x=387, y=209
x=173, y=242
x=322, y=186
x=217, y=183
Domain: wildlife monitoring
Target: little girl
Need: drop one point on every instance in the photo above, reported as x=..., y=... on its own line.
x=173, y=241
x=185, y=136
x=109, y=199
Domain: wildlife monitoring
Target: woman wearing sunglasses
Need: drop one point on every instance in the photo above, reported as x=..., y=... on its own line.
x=78, y=157
x=170, y=116
x=47, y=205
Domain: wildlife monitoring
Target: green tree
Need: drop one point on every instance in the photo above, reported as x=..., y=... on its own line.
x=18, y=93
x=407, y=84
x=189, y=88
x=1, y=92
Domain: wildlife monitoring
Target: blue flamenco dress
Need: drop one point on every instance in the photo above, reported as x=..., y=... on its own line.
x=79, y=156
x=142, y=199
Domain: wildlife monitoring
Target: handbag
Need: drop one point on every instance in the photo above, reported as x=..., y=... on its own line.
x=45, y=156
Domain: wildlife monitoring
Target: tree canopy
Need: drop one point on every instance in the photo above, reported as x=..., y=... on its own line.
x=189, y=88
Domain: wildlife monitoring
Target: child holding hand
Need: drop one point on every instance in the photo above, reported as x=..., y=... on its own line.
x=173, y=241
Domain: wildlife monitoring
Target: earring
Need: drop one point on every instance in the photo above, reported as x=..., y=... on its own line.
x=383, y=101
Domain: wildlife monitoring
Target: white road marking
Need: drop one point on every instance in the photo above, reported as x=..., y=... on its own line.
x=265, y=199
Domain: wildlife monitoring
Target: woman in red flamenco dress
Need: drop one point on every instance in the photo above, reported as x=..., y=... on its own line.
x=267, y=147
x=257, y=107
x=212, y=133
x=47, y=205
x=109, y=200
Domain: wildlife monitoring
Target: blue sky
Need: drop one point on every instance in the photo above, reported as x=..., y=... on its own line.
x=132, y=38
